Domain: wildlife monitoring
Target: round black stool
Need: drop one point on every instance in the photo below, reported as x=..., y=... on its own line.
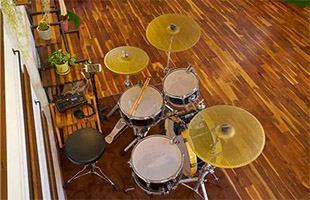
x=85, y=147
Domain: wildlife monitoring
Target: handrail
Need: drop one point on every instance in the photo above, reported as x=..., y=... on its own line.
x=3, y=169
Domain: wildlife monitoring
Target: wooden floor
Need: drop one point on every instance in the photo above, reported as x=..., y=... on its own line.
x=252, y=54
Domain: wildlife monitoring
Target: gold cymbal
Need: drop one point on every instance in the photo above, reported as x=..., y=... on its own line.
x=126, y=60
x=184, y=30
x=226, y=136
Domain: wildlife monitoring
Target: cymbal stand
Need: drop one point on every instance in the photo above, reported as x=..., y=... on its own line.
x=139, y=134
x=169, y=56
x=127, y=84
x=200, y=180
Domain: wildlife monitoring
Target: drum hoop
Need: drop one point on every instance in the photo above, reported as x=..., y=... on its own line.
x=155, y=181
x=186, y=95
x=141, y=118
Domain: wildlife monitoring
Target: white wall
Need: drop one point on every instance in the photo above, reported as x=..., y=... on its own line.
x=16, y=148
x=17, y=168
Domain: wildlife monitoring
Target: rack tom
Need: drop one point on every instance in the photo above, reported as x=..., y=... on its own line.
x=181, y=87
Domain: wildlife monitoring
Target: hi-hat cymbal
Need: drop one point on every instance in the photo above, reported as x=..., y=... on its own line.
x=126, y=60
x=184, y=30
x=226, y=136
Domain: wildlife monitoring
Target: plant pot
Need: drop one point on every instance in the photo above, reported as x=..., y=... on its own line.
x=62, y=69
x=65, y=24
x=45, y=35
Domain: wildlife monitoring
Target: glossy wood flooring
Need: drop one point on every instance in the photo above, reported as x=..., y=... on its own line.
x=252, y=54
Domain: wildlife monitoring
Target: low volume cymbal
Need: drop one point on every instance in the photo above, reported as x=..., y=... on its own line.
x=226, y=136
x=181, y=29
x=126, y=60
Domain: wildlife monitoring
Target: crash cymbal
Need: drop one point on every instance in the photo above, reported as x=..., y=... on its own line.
x=226, y=136
x=184, y=29
x=126, y=60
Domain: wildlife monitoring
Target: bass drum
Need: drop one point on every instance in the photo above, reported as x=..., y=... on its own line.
x=190, y=158
x=156, y=164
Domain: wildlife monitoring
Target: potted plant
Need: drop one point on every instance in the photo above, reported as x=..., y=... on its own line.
x=70, y=17
x=62, y=60
x=44, y=30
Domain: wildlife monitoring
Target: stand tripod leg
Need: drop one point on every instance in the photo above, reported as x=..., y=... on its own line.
x=129, y=146
x=66, y=185
x=204, y=191
x=112, y=111
x=106, y=178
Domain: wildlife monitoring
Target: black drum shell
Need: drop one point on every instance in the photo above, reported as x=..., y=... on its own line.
x=179, y=101
x=142, y=122
x=157, y=188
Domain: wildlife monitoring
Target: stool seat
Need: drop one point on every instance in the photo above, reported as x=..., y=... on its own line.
x=85, y=146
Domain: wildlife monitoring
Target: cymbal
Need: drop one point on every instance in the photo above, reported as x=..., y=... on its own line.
x=126, y=60
x=226, y=136
x=184, y=29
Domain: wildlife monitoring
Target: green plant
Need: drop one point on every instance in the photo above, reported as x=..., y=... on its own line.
x=59, y=57
x=43, y=26
x=72, y=17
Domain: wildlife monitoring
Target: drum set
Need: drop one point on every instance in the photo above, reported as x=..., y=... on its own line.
x=197, y=139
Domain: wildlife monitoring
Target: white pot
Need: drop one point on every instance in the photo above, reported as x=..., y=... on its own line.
x=45, y=35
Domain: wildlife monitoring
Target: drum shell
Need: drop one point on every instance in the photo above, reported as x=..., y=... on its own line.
x=185, y=100
x=157, y=188
x=142, y=121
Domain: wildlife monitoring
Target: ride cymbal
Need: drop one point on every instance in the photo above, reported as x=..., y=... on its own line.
x=226, y=136
x=126, y=60
x=183, y=30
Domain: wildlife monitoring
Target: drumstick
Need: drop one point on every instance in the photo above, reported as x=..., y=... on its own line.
x=142, y=91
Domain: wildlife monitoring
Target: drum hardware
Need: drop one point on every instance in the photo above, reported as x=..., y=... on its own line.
x=118, y=129
x=200, y=180
x=93, y=168
x=138, y=136
x=190, y=69
x=128, y=189
x=200, y=105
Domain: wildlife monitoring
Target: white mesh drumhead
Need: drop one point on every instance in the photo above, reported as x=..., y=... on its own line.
x=156, y=159
x=150, y=104
x=180, y=83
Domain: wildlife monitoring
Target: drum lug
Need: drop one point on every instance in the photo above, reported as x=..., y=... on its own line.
x=190, y=69
x=174, y=140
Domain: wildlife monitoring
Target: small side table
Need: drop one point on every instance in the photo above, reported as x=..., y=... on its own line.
x=68, y=123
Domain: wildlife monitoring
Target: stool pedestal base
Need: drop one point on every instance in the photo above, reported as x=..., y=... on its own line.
x=94, y=169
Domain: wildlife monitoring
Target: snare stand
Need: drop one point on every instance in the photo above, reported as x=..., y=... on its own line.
x=139, y=134
x=200, y=180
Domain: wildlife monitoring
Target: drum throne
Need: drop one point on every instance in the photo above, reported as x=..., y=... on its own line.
x=85, y=147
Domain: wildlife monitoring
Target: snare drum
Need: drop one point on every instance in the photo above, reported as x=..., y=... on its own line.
x=156, y=164
x=190, y=158
x=181, y=87
x=149, y=110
